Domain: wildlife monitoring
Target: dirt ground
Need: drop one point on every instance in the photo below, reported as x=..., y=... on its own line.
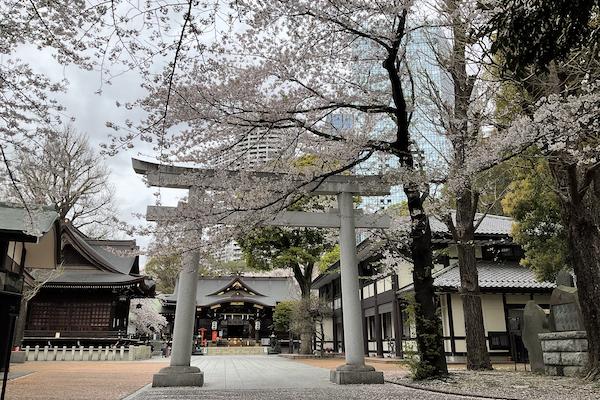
x=84, y=380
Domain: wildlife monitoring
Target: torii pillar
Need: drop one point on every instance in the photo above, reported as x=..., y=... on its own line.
x=354, y=371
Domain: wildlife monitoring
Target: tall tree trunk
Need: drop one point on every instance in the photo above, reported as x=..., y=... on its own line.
x=430, y=344
x=580, y=212
x=478, y=357
x=584, y=249
x=304, y=279
x=306, y=343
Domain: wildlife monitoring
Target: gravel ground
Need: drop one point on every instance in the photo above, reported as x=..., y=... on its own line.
x=504, y=384
x=79, y=380
x=349, y=392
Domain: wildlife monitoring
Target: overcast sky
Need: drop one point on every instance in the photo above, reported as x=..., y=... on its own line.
x=91, y=111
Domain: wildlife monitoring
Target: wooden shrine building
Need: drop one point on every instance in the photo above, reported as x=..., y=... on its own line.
x=235, y=310
x=88, y=302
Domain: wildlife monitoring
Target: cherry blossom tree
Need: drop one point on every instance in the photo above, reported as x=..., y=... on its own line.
x=145, y=317
x=284, y=71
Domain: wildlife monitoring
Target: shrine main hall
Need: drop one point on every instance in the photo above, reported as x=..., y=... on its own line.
x=235, y=310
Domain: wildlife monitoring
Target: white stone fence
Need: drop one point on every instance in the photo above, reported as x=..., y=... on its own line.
x=87, y=353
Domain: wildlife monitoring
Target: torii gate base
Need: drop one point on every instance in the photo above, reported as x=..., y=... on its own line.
x=365, y=375
x=178, y=376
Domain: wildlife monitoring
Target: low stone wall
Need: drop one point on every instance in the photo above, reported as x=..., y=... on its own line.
x=88, y=353
x=565, y=353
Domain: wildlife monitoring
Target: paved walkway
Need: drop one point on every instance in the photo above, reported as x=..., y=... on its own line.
x=258, y=372
x=276, y=378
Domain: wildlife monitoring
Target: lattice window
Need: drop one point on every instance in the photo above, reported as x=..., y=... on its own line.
x=76, y=316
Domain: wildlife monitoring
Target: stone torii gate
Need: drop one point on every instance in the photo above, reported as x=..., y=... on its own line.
x=180, y=373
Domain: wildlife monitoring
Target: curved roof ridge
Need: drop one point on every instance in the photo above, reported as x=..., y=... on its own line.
x=230, y=283
x=89, y=251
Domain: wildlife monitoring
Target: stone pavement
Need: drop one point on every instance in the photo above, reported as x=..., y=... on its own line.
x=275, y=378
x=78, y=380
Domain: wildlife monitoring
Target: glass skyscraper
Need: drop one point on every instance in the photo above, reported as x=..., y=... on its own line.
x=431, y=147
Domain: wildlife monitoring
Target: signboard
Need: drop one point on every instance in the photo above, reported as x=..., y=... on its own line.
x=257, y=325
x=214, y=326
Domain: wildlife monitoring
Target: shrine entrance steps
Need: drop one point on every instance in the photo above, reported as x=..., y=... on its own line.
x=237, y=351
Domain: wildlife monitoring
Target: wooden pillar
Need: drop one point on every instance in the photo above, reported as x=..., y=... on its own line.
x=396, y=318
x=334, y=319
x=365, y=325
x=451, y=324
x=378, y=338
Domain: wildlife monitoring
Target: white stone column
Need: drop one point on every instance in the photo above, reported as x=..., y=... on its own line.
x=354, y=371
x=180, y=372
x=353, y=334
x=185, y=311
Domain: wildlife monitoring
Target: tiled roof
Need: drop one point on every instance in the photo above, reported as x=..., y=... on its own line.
x=492, y=275
x=14, y=218
x=87, y=277
x=270, y=290
x=491, y=224
x=99, y=251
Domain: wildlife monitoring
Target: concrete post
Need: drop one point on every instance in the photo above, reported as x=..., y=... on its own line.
x=180, y=373
x=355, y=370
x=185, y=311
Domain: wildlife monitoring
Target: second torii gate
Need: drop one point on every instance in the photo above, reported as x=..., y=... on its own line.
x=180, y=373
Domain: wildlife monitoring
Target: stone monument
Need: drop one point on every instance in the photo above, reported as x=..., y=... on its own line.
x=534, y=323
x=565, y=312
x=565, y=347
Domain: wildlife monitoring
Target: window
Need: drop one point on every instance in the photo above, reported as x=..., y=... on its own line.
x=368, y=291
x=371, y=325
x=405, y=324
x=498, y=341
x=385, y=284
x=386, y=323
x=77, y=316
x=337, y=303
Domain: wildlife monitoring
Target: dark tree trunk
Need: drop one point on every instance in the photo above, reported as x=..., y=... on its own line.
x=304, y=279
x=584, y=251
x=478, y=357
x=584, y=245
x=430, y=345
x=580, y=211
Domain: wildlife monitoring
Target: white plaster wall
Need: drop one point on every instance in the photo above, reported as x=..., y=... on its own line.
x=328, y=328
x=458, y=315
x=404, y=272
x=43, y=253
x=493, y=313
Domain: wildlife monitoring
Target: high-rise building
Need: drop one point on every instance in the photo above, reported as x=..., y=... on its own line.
x=253, y=151
x=431, y=147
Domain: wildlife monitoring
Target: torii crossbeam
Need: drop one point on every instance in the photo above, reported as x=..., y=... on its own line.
x=180, y=373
